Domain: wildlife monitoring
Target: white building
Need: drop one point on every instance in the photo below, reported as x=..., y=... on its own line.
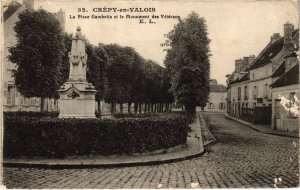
x=217, y=96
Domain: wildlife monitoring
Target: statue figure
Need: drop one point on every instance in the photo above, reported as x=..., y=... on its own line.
x=78, y=57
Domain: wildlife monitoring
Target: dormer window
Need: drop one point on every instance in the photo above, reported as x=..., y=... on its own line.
x=270, y=54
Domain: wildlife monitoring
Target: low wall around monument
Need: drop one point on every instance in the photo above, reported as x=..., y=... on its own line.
x=60, y=138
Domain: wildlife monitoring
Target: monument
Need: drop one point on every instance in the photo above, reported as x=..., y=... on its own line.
x=77, y=96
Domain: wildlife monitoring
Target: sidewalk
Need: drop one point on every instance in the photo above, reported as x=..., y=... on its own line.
x=193, y=148
x=264, y=128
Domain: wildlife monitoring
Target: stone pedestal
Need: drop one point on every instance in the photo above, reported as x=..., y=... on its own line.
x=77, y=99
x=77, y=96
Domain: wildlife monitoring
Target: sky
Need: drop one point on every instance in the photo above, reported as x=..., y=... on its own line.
x=236, y=28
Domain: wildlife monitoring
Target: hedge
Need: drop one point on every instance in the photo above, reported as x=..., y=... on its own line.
x=137, y=115
x=59, y=138
x=53, y=114
x=144, y=115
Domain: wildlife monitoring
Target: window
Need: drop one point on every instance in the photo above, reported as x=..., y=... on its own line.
x=10, y=95
x=32, y=101
x=26, y=102
x=239, y=93
x=5, y=89
x=246, y=93
x=253, y=76
x=255, y=91
x=266, y=90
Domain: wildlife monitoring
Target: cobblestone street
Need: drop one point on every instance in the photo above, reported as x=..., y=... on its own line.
x=240, y=157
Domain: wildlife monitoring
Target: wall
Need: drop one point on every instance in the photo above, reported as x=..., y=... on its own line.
x=281, y=119
x=215, y=99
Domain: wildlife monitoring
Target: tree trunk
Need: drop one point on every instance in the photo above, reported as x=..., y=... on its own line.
x=140, y=107
x=148, y=107
x=99, y=108
x=155, y=107
x=112, y=108
x=43, y=104
x=129, y=107
x=151, y=107
x=145, y=108
x=135, y=107
x=121, y=107
x=190, y=111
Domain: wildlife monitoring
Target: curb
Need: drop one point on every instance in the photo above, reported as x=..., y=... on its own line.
x=248, y=125
x=204, y=123
x=77, y=166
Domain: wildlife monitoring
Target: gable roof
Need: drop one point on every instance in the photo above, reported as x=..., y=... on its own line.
x=217, y=88
x=270, y=51
x=288, y=78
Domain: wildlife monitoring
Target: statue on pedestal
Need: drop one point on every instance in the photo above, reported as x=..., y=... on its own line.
x=77, y=96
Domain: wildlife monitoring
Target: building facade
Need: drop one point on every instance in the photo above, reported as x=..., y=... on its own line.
x=217, y=96
x=249, y=87
x=285, y=95
x=12, y=100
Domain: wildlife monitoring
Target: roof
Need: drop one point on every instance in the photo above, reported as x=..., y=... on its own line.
x=288, y=78
x=217, y=88
x=11, y=9
x=280, y=70
x=244, y=78
x=270, y=51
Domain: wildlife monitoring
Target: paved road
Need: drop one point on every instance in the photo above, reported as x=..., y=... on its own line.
x=241, y=157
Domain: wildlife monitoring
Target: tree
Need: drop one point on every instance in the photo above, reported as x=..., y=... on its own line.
x=66, y=60
x=187, y=62
x=119, y=74
x=97, y=71
x=38, y=55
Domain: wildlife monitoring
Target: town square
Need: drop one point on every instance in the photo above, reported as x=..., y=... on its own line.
x=150, y=94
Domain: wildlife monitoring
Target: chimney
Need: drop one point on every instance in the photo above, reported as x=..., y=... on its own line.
x=244, y=63
x=238, y=63
x=29, y=4
x=275, y=37
x=288, y=35
x=251, y=59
